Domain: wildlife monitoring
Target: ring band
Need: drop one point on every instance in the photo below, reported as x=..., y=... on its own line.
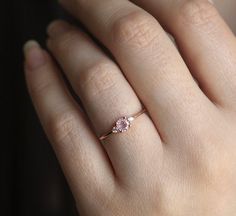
x=122, y=124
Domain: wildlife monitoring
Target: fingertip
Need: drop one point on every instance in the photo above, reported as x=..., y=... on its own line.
x=58, y=27
x=34, y=55
x=29, y=45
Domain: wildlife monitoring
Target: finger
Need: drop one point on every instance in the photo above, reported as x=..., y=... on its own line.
x=106, y=96
x=205, y=41
x=148, y=59
x=84, y=162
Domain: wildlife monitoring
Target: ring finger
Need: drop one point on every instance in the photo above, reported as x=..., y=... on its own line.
x=106, y=96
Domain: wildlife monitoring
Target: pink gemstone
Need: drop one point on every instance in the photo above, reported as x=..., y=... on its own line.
x=122, y=125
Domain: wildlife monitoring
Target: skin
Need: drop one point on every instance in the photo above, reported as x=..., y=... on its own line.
x=179, y=158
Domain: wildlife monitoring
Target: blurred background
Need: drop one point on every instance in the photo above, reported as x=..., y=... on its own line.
x=32, y=183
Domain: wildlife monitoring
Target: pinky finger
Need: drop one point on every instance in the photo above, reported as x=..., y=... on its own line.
x=83, y=159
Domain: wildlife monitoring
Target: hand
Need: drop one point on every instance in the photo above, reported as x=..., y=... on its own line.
x=179, y=158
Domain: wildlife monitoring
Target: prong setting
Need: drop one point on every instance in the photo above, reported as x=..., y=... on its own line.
x=122, y=125
x=131, y=119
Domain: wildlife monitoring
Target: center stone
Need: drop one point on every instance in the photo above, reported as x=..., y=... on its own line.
x=122, y=125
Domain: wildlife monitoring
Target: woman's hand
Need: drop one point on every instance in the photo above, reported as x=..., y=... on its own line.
x=179, y=158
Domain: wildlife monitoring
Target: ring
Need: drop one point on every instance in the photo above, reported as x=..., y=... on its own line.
x=122, y=125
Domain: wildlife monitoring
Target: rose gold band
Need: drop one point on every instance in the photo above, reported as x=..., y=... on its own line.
x=122, y=125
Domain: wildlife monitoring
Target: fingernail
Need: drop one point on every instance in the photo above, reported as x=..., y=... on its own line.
x=34, y=55
x=58, y=27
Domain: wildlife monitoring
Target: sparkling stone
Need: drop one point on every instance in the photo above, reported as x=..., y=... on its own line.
x=122, y=125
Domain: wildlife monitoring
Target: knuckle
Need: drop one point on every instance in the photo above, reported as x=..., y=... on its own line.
x=197, y=12
x=211, y=168
x=62, y=127
x=217, y=171
x=136, y=29
x=98, y=78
